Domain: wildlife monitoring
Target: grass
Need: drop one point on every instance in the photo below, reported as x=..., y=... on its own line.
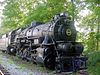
x=94, y=62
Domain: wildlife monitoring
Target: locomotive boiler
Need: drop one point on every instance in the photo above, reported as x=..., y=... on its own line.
x=52, y=44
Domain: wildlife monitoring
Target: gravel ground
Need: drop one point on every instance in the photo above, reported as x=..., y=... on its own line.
x=16, y=66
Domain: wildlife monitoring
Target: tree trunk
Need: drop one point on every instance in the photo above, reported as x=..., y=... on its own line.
x=98, y=28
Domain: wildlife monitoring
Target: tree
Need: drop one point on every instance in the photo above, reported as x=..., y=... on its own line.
x=19, y=13
x=95, y=7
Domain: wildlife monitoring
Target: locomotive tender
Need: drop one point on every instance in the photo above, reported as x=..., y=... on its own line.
x=52, y=44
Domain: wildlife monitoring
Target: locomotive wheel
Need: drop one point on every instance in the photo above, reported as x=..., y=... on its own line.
x=58, y=68
x=11, y=50
x=49, y=62
x=26, y=54
x=8, y=50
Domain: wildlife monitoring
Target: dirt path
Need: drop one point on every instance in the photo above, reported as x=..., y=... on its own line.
x=16, y=66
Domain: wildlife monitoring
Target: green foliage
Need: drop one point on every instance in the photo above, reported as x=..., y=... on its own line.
x=94, y=62
x=91, y=24
x=19, y=13
x=91, y=41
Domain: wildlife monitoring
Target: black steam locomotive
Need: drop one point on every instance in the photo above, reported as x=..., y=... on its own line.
x=51, y=44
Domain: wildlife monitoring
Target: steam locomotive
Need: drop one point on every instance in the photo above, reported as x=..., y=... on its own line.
x=52, y=44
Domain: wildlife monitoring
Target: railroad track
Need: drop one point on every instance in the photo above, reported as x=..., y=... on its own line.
x=83, y=72
x=3, y=71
